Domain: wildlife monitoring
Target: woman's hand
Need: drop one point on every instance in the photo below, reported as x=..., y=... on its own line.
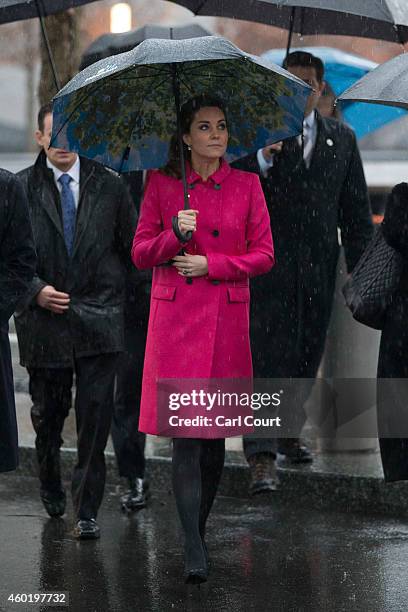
x=191, y=265
x=187, y=220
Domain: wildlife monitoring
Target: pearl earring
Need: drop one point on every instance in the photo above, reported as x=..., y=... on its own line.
x=188, y=147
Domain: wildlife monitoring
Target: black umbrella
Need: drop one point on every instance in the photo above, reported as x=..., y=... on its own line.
x=123, y=110
x=379, y=19
x=17, y=10
x=111, y=44
x=387, y=84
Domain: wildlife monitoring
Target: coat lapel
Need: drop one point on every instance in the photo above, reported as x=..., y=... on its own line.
x=47, y=192
x=89, y=186
x=324, y=145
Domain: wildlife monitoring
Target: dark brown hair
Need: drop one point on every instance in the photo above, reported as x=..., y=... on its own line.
x=42, y=113
x=305, y=60
x=187, y=113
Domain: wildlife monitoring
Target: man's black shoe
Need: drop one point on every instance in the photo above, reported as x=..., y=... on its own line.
x=54, y=502
x=294, y=451
x=135, y=497
x=87, y=529
x=264, y=478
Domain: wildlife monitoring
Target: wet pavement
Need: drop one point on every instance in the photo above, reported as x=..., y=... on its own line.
x=271, y=557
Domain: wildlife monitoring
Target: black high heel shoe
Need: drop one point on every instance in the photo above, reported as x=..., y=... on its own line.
x=196, y=572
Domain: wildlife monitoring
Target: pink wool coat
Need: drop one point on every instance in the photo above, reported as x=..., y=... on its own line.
x=199, y=328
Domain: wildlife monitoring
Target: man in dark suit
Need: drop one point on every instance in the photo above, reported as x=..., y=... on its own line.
x=128, y=441
x=17, y=267
x=84, y=222
x=313, y=185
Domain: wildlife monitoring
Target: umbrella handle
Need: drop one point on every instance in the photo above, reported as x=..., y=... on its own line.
x=183, y=237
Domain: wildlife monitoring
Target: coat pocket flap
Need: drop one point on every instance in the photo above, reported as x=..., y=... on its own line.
x=238, y=294
x=163, y=292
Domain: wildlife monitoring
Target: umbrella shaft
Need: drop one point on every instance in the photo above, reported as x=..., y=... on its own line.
x=291, y=25
x=176, y=90
x=47, y=46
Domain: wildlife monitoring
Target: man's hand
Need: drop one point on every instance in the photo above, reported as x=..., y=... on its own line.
x=51, y=299
x=187, y=220
x=191, y=265
x=269, y=151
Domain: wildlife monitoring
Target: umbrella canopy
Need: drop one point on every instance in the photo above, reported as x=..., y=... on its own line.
x=111, y=44
x=387, y=84
x=16, y=10
x=341, y=70
x=123, y=110
x=380, y=19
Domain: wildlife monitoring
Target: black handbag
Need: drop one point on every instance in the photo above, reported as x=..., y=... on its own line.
x=372, y=284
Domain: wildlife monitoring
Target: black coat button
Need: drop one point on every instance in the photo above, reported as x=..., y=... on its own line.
x=215, y=282
x=217, y=186
x=189, y=281
x=215, y=233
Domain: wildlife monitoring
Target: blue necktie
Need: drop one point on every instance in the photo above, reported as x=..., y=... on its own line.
x=68, y=211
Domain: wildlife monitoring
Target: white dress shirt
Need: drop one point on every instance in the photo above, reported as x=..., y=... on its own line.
x=73, y=173
x=309, y=135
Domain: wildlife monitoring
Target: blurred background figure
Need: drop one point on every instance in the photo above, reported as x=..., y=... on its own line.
x=393, y=357
x=312, y=186
x=17, y=267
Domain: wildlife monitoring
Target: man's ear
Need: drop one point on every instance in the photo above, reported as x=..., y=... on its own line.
x=38, y=135
x=322, y=87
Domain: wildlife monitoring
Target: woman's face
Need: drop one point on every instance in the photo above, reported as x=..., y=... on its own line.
x=208, y=136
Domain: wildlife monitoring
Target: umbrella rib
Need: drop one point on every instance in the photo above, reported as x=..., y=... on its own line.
x=200, y=65
x=228, y=76
x=120, y=77
x=91, y=93
x=138, y=112
x=187, y=86
x=88, y=94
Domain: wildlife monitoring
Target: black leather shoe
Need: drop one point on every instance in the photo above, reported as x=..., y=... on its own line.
x=264, y=478
x=294, y=451
x=54, y=502
x=87, y=529
x=196, y=565
x=135, y=497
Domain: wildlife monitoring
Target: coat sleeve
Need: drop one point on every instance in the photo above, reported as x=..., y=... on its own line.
x=259, y=257
x=153, y=245
x=17, y=252
x=355, y=220
x=395, y=224
x=248, y=163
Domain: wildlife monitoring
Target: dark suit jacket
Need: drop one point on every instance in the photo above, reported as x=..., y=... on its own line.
x=17, y=266
x=307, y=206
x=94, y=277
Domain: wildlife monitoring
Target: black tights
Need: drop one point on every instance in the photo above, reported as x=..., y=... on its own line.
x=197, y=468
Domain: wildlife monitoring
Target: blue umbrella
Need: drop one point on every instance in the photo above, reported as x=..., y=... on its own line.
x=341, y=71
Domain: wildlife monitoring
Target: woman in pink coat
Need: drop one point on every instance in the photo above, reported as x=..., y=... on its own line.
x=199, y=312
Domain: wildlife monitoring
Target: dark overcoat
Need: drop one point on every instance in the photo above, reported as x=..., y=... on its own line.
x=291, y=305
x=95, y=275
x=392, y=394
x=17, y=267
